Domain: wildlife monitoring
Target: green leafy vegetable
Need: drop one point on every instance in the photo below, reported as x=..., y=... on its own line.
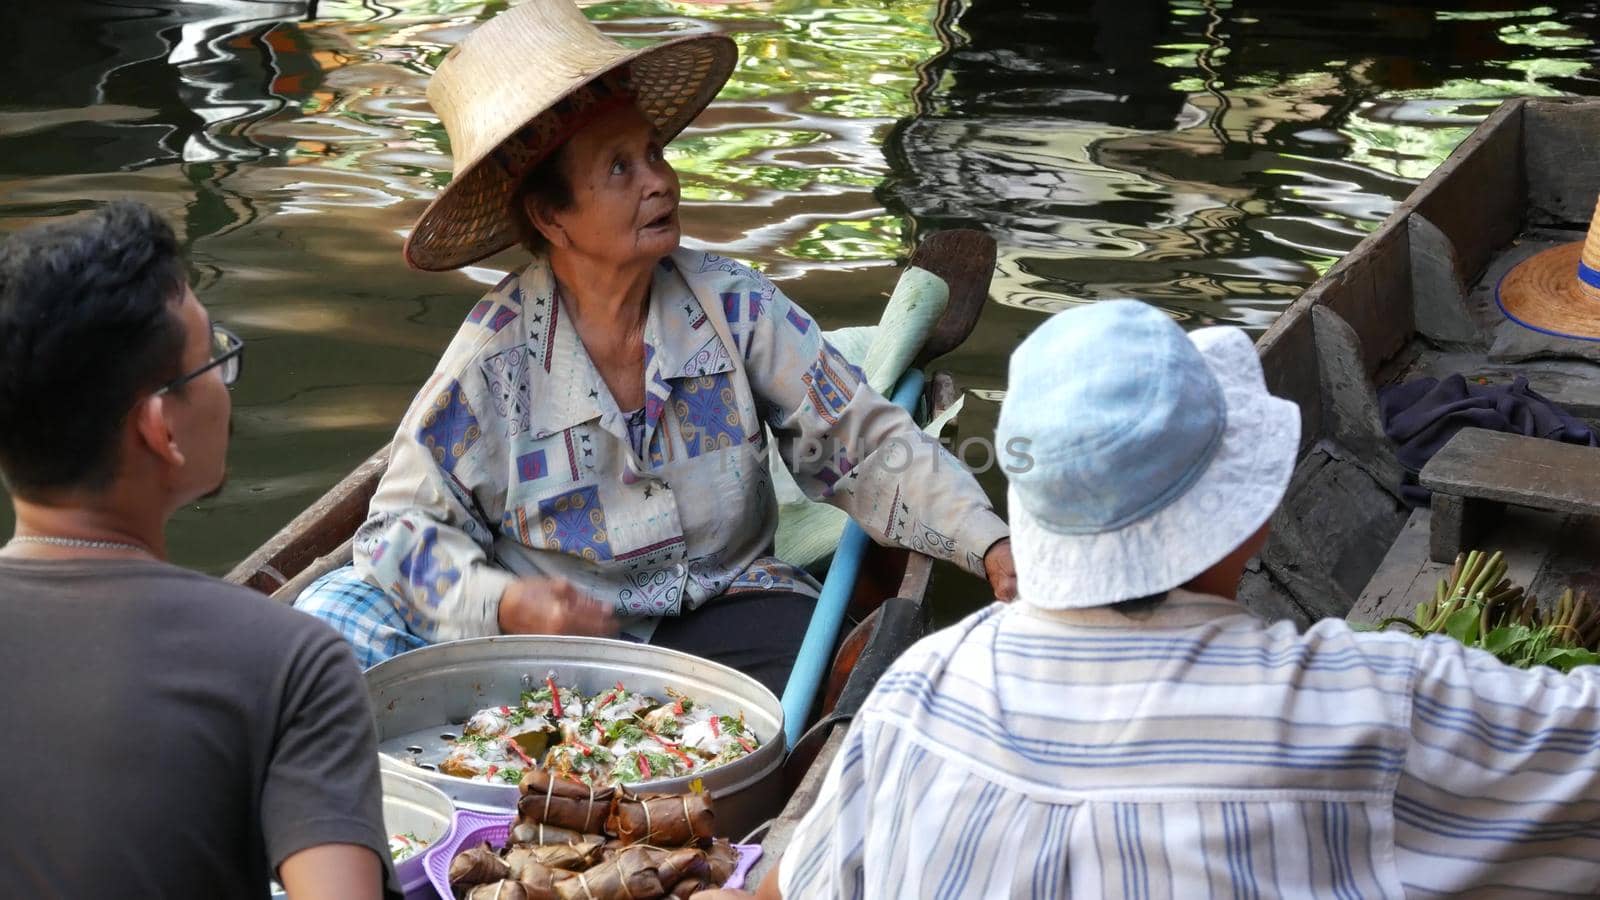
x=1478, y=605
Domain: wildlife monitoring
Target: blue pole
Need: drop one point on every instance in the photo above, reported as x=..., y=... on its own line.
x=816, y=651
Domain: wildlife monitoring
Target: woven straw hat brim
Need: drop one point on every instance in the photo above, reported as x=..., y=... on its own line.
x=672, y=83
x=1544, y=293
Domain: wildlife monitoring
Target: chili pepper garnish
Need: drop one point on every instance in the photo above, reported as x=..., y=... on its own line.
x=493, y=769
x=716, y=730
x=644, y=767
x=604, y=700
x=505, y=710
x=517, y=749
x=746, y=745
x=555, y=695
x=677, y=707
x=672, y=748
x=583, y=748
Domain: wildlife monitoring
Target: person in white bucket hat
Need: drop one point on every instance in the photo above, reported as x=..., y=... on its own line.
x=591, y=453
x=1126, y=729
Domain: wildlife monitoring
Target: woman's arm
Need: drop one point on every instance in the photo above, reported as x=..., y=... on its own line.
x=429, y=530
x=848, y=446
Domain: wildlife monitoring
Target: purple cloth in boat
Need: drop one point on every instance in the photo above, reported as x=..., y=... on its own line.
x=1422, y=415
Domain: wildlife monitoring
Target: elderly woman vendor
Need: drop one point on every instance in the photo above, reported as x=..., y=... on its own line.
x=590, y=453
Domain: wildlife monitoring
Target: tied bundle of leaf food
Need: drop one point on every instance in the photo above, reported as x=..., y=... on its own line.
x=1479, y=606
x=549, y=862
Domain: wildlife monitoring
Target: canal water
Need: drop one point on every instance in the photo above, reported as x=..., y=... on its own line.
x=1210, y=156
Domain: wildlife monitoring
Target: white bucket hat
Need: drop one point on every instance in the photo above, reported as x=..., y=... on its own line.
x=518, y=87
x=1141, y=456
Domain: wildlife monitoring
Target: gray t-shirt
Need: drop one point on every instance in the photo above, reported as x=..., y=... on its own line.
x=170, y=735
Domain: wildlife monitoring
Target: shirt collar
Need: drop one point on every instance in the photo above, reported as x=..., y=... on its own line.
x=567, y=389
x=1181, y=609
x=679, y=342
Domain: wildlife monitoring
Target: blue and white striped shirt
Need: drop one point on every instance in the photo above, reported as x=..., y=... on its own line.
x=1198, y=752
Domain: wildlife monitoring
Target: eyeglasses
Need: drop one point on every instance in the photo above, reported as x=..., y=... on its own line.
x=227, y=352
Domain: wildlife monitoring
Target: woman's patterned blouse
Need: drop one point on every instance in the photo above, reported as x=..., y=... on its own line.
x=515, y=460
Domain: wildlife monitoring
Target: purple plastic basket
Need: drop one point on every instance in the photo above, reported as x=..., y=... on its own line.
x=473, y=828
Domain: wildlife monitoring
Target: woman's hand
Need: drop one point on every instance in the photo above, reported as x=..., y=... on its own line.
x=539, y=605
x=1002, y=571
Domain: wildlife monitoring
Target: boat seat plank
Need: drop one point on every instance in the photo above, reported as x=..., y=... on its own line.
x=1478, y=471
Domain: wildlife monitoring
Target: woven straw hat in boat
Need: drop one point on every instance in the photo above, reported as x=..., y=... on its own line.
x=518, y=87
x=1557, y=291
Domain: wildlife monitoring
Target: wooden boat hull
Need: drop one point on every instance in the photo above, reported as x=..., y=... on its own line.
x=1416, y=298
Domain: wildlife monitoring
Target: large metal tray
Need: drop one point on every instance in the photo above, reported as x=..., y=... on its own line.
x=422, y=698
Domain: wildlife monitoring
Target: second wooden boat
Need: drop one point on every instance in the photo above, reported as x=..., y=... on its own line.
x=1417, y=298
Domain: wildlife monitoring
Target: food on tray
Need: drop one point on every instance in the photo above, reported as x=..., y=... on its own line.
x=615, y=737
x=661, y=819
x=679, y=857
x=549, y=799
x=478, y=865
x=404, y=846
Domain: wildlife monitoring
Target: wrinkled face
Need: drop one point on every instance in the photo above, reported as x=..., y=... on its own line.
x=624, y=194
x=198, y=413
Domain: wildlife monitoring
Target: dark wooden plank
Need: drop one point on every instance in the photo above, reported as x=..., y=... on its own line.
x=1371, y=290
x=316, y=532
x=322, y=565
x=1404, y=577
x=1511, y=468
x=1288, y=352
x=1563, y=171
x=1476, y=196
x=1458, y=524
x=1439, y=301
x=1349, y=403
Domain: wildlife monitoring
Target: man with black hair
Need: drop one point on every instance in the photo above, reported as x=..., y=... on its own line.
x=173, y=735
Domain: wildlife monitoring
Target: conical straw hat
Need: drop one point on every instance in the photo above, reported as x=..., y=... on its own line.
x=1557, y=291
x=514, y=90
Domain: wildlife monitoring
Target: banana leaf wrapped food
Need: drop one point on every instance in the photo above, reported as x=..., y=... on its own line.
x=636, y=873
x=665, y=820
x=574, y=856
x=549, y=799
x=720, y=861
x=539, y=881
x=505, y=889
x=477, y=865
x=540, y=833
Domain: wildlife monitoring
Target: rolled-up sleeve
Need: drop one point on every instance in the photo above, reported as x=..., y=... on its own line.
x=849, y=446
x=430, y=530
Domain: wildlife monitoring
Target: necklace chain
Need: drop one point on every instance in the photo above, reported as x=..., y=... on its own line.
x=75, y=542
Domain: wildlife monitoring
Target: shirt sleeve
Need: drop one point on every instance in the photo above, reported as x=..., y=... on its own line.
x=1501, y=780
x=431, y=525
x=849, y=446
x=824, y=857
x=322, y=784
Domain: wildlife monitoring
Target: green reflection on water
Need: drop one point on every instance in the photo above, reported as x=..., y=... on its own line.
x=811, y=64
x=1545, y=35
x=1490, y=15
x=852, y=240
